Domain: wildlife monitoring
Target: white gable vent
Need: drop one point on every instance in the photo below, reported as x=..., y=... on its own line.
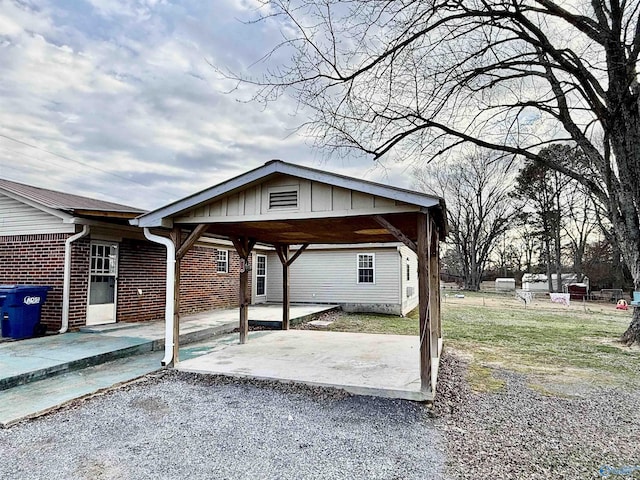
x=283, y=199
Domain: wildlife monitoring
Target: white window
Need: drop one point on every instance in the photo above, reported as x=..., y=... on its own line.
x=261, y=275
x=223, y=261
x=408, y=269
x=366, y=268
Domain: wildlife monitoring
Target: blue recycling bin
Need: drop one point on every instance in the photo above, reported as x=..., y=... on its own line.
x=20, y=309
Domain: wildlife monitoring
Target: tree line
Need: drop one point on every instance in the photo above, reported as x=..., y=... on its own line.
x=417, y=80
x=507, y=219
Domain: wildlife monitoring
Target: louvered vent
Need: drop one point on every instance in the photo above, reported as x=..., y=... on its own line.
x=285, y=199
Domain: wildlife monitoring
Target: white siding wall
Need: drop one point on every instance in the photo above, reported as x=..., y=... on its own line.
x=410, y=287
x=17, y=218
x=330, y=276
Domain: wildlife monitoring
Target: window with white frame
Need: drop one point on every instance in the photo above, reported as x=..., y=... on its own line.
x=223, y=261
x=408, y=269
x=366, y=268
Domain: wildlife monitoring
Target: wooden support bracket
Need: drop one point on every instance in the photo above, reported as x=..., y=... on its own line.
x=401, y=237
x=191, y=240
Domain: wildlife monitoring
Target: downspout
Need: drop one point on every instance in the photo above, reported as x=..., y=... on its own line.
x=66, y=282
x=169, y=305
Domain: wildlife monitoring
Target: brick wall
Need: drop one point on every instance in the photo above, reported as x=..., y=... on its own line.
x=36, y=260
x=202, y=287
x=79, y=292
x=39, y=260
x=142, y=265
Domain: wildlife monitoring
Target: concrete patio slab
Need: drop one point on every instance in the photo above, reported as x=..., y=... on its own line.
x=40, y=374
x=364, y=364
x=32, y=359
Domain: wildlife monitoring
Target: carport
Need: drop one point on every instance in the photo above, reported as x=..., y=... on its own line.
x=280, y=204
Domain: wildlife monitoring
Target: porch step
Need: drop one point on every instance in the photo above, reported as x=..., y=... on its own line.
x=76, y=351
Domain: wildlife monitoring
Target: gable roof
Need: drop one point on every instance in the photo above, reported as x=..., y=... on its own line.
x=64, y=202
x=157, y=217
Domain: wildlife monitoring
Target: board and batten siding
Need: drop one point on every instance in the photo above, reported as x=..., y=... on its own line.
x=17, y=218
x=313, y=199
x=331, y=276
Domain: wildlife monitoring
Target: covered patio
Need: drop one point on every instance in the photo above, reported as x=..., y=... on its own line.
x=280, y=205
x=360, y=363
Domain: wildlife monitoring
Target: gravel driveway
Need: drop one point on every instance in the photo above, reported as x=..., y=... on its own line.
x=518, y=433
x=184, y=426
x=178, y=425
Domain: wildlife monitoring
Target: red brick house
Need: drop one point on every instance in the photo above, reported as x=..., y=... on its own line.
x=101, y=269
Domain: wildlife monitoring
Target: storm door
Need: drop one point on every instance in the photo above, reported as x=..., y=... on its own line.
x=103, y=279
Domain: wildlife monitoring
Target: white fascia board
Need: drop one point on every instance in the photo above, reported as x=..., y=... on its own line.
x=160, y=217
x=66, y=217
x=378, y=190
x=156, y=217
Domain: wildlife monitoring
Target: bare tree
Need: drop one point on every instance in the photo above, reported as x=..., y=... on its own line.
x=543, y=192
x=478, y=207
x=526, y=242
x=417, y=78
x=581, y=222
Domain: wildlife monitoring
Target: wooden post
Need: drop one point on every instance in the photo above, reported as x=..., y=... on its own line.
x=176, y=238
x=242, y=296
x=423, y=302
x=285, y=288
x=244, y=246
x=283, y=255
x=438, y=297
x=434, y=287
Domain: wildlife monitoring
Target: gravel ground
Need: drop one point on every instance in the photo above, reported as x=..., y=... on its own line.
x=517, y=433
x=178, y=425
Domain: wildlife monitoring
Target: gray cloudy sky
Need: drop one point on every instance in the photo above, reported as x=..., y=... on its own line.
x=115, y=99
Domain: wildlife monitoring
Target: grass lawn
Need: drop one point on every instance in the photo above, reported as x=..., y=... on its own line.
x=558, y=347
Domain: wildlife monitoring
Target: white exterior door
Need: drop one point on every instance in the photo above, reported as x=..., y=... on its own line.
x=261, y=278
x=103, y=283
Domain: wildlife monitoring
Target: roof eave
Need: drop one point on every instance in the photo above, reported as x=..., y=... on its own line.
x=161, y=217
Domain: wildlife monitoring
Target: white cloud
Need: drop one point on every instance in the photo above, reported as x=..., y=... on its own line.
x=126, y=88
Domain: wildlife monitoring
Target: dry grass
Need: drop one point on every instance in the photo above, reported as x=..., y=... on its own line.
x=562, y=349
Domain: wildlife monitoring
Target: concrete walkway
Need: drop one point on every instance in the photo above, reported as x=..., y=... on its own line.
x=39, y=374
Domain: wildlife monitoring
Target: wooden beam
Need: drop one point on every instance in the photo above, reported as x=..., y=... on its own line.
x=279, y=250
x=423, y=302
x=191, y=240
x=238, y=243
x=176, y=238
x=283, y=253
x=244, y=246
x=434, y=287
x=401, y=237
x=302, y=248
x=286, y=302
x=435, y=259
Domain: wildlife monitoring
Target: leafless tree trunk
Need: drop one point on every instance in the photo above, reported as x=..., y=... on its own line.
x=415, y=79
x=478, y=207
